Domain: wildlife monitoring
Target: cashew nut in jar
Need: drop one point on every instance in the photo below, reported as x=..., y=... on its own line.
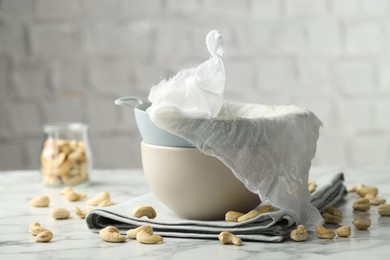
x=66, y=156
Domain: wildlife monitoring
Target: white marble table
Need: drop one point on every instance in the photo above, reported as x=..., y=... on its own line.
x=73, y=240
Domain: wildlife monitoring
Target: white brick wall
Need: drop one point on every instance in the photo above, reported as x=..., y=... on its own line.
x=107, y=152
x=143, y=7
x=55, y=41
x=230, y=8
x=31, y=80
x=132, y=39
x=356, y=114
x=20, y=9
x=299, y=8
x=355, y=76
x=345, y=8
x=384, y=75
x=101, y=110
x=110, y=76
x=69, y=77
x=58, y=9
x=5, y=121
x=99, y=9
x=370, y=148
x=381, y=114
x=289, y=37
x=364, y=37
x=266, y=8
x=239, y=73
x=12, y=41
x=332, y=148
x=65, y=109
x=276, y=75
x=376, y=7
x=13, y=155
x=185, y=7
x=68, y=60
x=314, y=75
x=25, y=118
x=324, y=36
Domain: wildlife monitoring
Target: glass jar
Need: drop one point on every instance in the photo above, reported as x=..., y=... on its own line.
x=66, y=156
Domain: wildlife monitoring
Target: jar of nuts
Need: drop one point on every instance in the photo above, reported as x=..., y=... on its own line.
x=66, y=156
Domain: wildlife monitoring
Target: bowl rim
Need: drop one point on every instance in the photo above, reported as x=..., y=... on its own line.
x=165, y=147
x=143, y=107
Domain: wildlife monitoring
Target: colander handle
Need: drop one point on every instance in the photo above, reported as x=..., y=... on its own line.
x=130, y=101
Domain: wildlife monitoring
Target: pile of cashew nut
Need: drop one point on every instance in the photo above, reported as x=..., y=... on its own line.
x=367, y=197
x=143, y=234
x=43, y=234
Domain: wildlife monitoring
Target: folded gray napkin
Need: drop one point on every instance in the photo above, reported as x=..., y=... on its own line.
x=268, y=227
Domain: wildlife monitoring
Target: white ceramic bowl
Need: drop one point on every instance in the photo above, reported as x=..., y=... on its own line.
x=193, y=185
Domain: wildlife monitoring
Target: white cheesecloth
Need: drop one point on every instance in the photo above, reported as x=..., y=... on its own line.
x=268, y=148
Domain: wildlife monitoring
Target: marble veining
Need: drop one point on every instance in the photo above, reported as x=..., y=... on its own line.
x=73, y=240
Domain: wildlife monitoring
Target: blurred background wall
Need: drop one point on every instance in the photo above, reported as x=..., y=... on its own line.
x=67, y=60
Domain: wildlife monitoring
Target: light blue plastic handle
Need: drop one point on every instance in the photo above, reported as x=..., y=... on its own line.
x=130, y=101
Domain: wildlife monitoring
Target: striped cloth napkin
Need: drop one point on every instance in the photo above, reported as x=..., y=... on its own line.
x=267, y=227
